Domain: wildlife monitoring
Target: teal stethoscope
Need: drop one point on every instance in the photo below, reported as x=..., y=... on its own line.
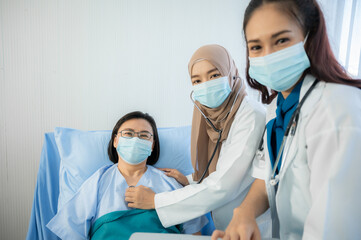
x=291, y=128
x=219, y=131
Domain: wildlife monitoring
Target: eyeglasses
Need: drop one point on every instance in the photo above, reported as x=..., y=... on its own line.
x=145, y=135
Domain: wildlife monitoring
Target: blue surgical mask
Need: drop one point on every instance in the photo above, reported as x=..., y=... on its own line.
x=280, y=70
x=212, y=93
x=134, y=150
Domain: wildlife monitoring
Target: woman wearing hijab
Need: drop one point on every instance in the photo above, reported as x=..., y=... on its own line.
x=222, y=113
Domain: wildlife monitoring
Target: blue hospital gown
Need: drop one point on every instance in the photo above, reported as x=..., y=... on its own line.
x=103, y=193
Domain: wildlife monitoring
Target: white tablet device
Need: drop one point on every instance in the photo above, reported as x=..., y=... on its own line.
x=166, y=236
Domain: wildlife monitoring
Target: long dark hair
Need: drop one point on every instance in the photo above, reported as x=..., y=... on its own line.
x=112, y=151
x=309, y=16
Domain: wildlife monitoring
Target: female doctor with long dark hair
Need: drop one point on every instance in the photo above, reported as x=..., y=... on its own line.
x=308, y=168
x=226, y=128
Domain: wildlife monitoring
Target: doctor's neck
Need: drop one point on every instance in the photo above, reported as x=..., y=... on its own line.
x=286, y=93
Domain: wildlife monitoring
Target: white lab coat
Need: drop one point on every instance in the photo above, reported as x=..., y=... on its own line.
x=319, y=191
x=224, y=189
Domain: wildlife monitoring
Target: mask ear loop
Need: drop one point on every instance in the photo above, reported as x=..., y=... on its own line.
x=305, y=40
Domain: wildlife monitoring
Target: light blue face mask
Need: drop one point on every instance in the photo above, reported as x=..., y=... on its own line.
x=212, y=93
x=280, y=70
x=134, y=150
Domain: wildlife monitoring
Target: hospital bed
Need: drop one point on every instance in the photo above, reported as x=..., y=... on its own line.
x=50, y=176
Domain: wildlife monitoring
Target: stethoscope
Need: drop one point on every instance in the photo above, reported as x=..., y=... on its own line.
x=291, y=128
x=219, y=131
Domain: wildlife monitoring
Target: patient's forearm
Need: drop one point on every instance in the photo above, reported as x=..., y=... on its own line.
x=256, y=201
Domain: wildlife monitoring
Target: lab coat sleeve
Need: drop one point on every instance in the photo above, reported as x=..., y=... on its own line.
x=259, y=166
x=194, y=225
x=335, y=183
x=190, y=179
x=227, y=182
x=74, y=219
x=191, y=226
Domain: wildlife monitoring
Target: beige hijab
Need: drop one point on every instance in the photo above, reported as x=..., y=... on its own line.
x=203, y=137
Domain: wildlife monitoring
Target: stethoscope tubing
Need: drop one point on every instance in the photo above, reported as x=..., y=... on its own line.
x=211, y=159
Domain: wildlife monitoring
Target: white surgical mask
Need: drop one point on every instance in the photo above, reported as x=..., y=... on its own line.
x=280, y=70
x=212, y=93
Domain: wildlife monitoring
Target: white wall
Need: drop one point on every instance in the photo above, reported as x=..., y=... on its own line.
x=85, y=63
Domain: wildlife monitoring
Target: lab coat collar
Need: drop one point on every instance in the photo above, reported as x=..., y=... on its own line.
x=314, y=97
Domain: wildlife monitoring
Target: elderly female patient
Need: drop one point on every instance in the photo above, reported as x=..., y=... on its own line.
x=98, y=210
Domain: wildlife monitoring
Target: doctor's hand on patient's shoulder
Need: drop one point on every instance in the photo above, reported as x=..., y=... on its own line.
x=174, y=173
x=243, y=226
x=140, y=197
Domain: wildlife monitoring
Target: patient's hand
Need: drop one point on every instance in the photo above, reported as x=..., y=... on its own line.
x=140, y=197
x=174, y=173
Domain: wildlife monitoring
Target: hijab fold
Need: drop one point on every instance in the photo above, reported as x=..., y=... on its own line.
x=203, y=136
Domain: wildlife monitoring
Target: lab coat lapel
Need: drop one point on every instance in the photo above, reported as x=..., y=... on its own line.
x=271, y=190
x=271, y=114
x=292, y=144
